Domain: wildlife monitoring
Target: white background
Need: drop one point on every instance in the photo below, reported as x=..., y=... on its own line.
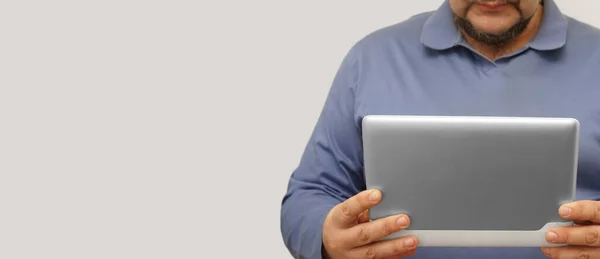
x=166, y=129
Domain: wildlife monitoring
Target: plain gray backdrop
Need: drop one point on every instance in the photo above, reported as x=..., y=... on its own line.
x=166, y=129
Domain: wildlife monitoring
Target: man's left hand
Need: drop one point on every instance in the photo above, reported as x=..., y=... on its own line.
x=583, y=239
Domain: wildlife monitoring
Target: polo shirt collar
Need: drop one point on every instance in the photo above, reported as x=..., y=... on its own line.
x=440, y=31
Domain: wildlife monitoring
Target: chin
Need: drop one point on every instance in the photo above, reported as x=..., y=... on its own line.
x=492, y=30
x=494, y=25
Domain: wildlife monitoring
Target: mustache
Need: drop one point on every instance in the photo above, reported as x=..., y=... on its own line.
x=514, y=3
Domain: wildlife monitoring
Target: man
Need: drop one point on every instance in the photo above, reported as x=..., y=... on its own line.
x=469, y=57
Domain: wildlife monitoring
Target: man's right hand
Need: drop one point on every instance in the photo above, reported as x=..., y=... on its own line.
x=347, y=232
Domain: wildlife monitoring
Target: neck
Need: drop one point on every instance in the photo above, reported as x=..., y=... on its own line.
x=494, y=52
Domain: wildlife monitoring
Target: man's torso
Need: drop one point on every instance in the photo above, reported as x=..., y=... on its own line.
x=399, y=75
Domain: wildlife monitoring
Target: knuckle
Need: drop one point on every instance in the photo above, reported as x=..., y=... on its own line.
x=591, y=237
x=329, y=242
x=398, y=248
x=596, y=210
x=363, y=235
x=583, y=256
x=371, y=253
x=565, y=236
x=345, y=210
x=333, y=246
x=388, y=227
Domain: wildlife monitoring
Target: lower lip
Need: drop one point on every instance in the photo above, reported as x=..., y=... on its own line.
x=492, y=7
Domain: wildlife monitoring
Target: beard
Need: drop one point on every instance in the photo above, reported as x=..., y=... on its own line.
x=494, y=39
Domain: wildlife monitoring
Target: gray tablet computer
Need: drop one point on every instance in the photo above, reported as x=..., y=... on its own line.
x=472, y=181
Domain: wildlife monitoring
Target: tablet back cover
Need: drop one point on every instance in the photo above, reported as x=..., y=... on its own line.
x=472, y=181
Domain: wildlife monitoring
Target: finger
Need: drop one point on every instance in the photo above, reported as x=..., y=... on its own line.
x=375, y=230
x=384, y=249
x=576, y=235
x=363, y=217
x=346, y=213
x=583, y=223
x=581, y=210
x=568, y=252
x=407, y=254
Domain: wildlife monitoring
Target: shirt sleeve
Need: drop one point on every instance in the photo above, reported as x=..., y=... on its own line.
x=330, y=169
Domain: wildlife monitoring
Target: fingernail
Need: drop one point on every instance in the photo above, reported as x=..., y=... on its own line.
x=402, y=221
x=551, y=236
x=564, y=211
x=546, y=250
x=409, y=242
x=374, y=196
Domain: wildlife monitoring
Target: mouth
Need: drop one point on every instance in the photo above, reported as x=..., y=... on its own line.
x=492, y=5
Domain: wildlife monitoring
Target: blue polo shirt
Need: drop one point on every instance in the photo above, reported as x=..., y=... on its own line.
x=423, y=66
